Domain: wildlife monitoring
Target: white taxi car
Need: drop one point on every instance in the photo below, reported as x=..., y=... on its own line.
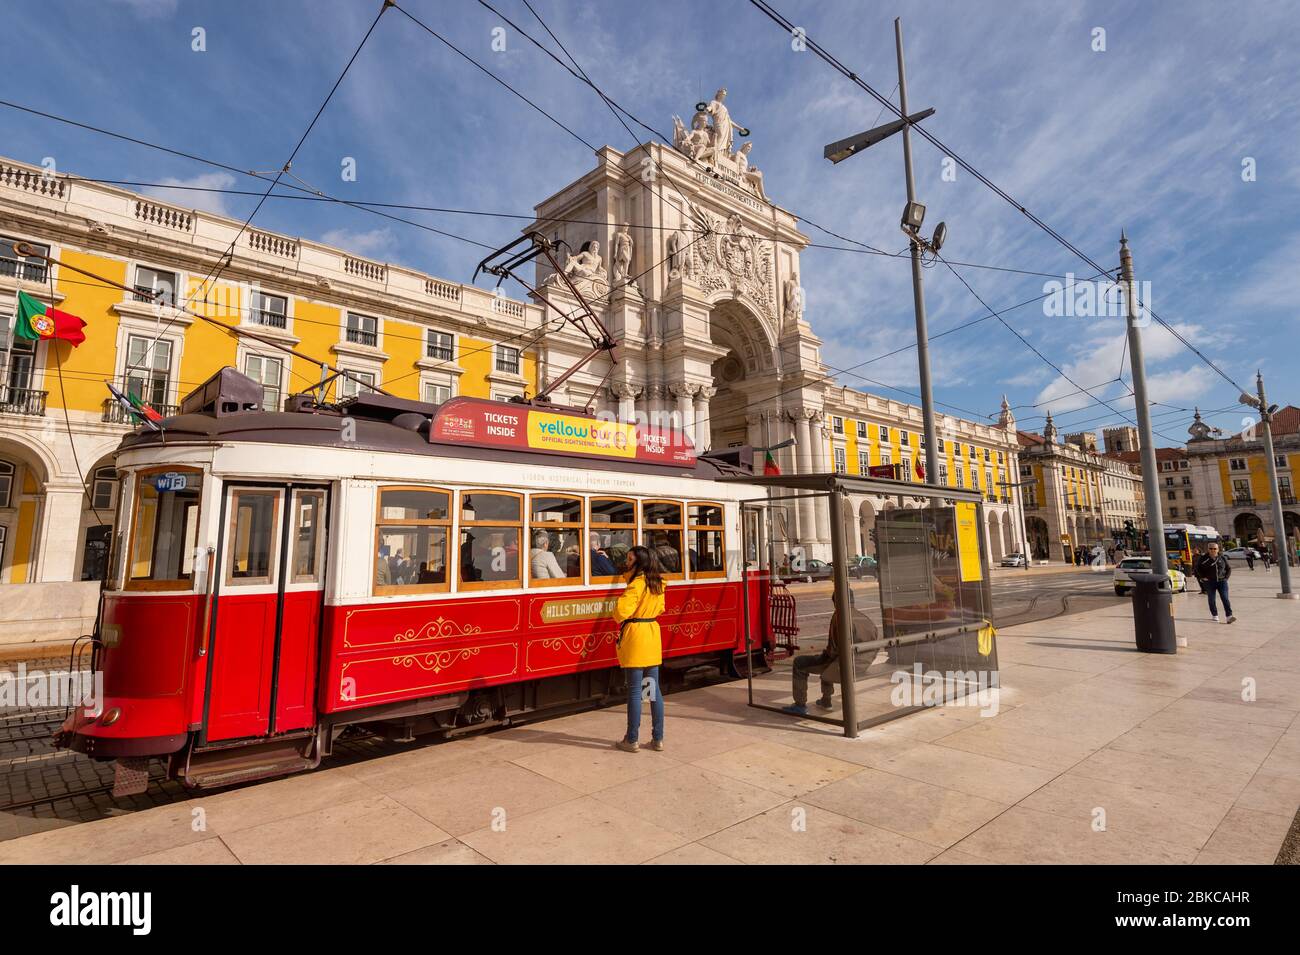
x=1142, y=565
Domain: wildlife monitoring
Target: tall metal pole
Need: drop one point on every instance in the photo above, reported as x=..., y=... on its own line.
x=918, y=295
x=1279, y=521
x=1150, y=479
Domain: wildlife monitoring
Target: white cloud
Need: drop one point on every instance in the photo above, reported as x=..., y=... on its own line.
x=375, y=243
x=189, y=192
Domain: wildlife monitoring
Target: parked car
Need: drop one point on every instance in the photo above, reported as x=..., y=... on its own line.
x=1142, y=565
x=1013, y=560
x=864, y=565
x=1239, y=553
x=813, y=569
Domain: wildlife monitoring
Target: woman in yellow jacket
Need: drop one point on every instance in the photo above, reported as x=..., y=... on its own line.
x=640, y=648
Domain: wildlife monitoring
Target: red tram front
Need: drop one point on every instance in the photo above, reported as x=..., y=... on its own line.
x=279, y=576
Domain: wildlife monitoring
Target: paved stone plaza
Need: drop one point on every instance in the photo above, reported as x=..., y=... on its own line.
x=1183, y=770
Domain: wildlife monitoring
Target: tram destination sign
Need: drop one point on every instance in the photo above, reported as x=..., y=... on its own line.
x=496, y=424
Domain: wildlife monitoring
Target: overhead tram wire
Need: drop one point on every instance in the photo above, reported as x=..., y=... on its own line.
x=366, y=205
x=304, y=194
x=767, y=9
x=220, y=265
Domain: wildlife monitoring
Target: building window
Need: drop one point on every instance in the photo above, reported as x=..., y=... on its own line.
x=840, y=466
x=1237, y=464
x=862, y=430
x=362, y=330
x=943, y=472
x=355, y=382
x=148, y=369
x=269, y=310
x=27, y=268
x=971, y=448
x=886, y=457
x=837, y=424
x=904, y=438
x=439, y=345
x=1280, y=460
x=6, y=483
x=864, y=462
x=1183, y=465
x=507, y=359
x=883, y=432
x=1166, y=465
x=961, y=480
x=1000, y=457
x=435, y=393
x=1187, y=495
x=941, y=445
x=267, y=373
x=1186, y=479
x=22, y=364
x=101, y=495
x=1173, y=512
x=1169, y=482
x=155, y=285
x=1191, y=513
x=1241, y=490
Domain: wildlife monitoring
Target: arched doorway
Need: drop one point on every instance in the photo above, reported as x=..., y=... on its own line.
x=1247, y=527
x=746, y=366
x=24, y=472
x=867, y=526
x=1038, y=538
x=995, y=537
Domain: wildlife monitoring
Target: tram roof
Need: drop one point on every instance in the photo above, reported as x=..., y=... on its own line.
x=227, y=409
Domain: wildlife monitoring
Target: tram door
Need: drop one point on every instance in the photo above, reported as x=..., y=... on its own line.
x=265, y=630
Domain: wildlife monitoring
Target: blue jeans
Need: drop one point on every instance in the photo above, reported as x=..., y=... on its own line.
x=639, y=680
x=1219, y=587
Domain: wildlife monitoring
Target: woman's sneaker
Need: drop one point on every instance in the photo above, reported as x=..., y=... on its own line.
x=626, y=747
x=1231, y=619
x=657, y=745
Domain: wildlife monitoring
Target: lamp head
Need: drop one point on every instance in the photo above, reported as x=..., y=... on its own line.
x=913, y=216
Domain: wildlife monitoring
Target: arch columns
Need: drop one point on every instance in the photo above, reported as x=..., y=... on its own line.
x=703, y=426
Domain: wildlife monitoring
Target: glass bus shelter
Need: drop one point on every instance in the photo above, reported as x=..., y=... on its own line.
x=907, y=590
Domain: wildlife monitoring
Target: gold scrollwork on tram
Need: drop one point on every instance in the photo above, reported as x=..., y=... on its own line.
x=435, y=661
x=434, y=629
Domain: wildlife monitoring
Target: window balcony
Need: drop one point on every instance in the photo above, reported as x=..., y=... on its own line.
x=23, y=401
x=1242, y=500
x=439, y=352
x=114, y=413
x=269, y=319
x=22, y=269
x=508, y=364
x=359, y=336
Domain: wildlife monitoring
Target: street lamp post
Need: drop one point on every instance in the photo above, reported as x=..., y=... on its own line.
x=913, y=216
x=1279, y=519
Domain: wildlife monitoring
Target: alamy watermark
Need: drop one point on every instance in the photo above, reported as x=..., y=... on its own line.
x=1075, y=298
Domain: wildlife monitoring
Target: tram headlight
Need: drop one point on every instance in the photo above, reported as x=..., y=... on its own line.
x=111, y=716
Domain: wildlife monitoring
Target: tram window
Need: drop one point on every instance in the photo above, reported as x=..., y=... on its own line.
x=661, y=531
x=613, y=533
x=308, y=535
x=491, y=527
x=251, y=546
x=555, y=541
x=707, y=538
x=164, y=529
x=412, y=540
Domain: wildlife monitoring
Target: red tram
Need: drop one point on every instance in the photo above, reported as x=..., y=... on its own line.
x=279, y=576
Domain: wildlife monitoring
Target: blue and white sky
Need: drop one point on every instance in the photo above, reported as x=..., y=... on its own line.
x=1148, y=135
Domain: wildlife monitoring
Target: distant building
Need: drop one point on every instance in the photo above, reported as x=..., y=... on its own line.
x=1120, y=439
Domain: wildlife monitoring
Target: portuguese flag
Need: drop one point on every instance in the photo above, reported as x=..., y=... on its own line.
x=38, y=322
x=769, y=464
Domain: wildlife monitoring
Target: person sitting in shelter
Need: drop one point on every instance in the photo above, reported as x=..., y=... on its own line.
x=541, y=561
x=826, y=664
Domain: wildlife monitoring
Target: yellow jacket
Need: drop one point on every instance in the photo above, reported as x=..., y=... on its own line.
x=640, y=644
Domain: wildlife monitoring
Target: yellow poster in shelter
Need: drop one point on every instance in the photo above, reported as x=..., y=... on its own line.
x=968, y=542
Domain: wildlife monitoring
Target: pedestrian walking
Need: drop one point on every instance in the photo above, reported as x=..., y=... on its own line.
x=640, y=645
x=1267, y=556
x=1212, y=571
x=1250, y=558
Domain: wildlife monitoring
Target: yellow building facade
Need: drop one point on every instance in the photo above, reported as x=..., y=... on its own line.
x=132, y=267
